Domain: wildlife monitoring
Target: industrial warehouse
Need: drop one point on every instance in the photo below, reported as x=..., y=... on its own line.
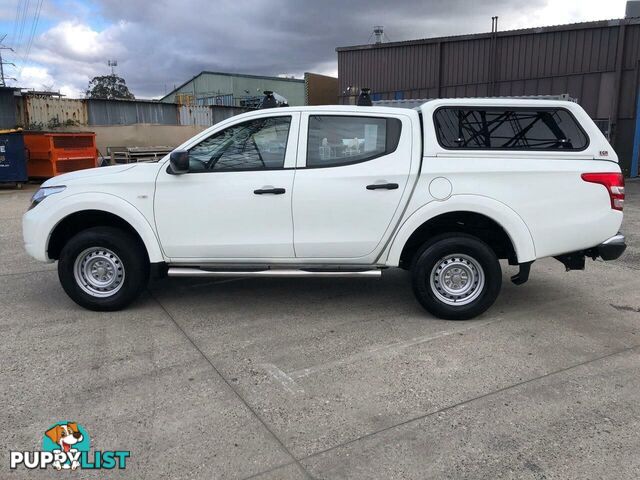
x=594, y=63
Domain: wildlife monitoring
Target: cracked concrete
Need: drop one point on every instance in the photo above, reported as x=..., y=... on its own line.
x=309, y=378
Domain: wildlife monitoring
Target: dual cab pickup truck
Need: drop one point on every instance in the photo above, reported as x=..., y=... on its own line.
x=444, y=190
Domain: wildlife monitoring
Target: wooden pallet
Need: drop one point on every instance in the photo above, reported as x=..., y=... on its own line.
x=137, y=154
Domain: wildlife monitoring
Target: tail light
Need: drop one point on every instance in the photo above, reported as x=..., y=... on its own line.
x=613, y=182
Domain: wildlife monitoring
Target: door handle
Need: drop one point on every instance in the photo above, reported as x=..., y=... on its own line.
x=274, y=191
x=382, y=186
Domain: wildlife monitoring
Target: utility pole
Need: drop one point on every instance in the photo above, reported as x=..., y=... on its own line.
x=3, y=63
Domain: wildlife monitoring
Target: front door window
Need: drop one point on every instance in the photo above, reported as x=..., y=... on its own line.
x=259, y=144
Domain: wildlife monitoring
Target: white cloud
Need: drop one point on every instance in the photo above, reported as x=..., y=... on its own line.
x=39, y=78
x=78, y=41
x=68, y=55
x=558, y=12
x=35, y=77
x=161, y=46
x=70, y=91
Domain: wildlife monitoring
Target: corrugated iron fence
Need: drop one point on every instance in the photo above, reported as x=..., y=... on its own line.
x=206, y=114
x=49, y=112
x=121, y=112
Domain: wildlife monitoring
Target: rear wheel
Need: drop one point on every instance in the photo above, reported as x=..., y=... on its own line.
x=456, y=276
x=103, y=268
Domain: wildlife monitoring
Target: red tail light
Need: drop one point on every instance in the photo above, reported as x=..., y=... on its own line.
x=613, y=182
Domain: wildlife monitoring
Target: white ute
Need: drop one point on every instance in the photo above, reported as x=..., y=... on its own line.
x=444, y=190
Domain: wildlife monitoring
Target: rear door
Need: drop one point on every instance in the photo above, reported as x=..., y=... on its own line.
x=351, y=181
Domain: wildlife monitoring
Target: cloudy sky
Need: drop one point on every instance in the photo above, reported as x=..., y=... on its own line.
x=61, y=44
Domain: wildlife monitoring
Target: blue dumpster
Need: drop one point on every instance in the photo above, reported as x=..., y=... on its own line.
x=13, y=161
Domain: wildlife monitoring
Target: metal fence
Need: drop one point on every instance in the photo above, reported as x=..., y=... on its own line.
x=122, y=112
x=190, y=115
x=50, y=112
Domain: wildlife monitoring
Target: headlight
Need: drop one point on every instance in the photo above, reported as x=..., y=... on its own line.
x=43, y=193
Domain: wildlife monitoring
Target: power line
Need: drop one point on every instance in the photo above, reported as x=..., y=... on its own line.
x=15, y=23
x=34, y=27
x=3, y=79
x=23, y=21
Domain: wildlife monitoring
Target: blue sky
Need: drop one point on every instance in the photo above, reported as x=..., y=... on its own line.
x=51, y=12
x=162, y=43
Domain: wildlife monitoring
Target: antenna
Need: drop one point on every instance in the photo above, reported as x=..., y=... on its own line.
x=112, y=64
x=3, y=79
x=378, y=32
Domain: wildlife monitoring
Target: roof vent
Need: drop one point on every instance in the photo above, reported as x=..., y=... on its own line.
x=364, y=100
x=378, y=33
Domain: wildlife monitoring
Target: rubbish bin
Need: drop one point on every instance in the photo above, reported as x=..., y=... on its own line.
x=53, y=153
x=13, y=165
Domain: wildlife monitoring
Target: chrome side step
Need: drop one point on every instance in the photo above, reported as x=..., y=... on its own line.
x=283, y=273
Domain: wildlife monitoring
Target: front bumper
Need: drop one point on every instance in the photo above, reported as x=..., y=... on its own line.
x=611, y=248
x=34, y=234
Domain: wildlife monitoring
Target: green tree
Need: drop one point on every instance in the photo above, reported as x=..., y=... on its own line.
x=111, y=87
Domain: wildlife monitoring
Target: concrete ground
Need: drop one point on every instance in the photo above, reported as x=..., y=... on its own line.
x=288, y=379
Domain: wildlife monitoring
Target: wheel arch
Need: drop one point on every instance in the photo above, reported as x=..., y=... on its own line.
x=77, y=214
x=76, y=222
x=488, y=219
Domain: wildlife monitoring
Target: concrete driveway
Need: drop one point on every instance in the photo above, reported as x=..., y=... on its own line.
x=287, y=379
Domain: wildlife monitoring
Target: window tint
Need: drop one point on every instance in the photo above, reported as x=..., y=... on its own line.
x=341, y=140
x=253, y=145
x=518, y=129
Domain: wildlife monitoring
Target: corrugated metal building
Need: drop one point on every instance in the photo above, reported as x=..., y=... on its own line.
x=320, y=89
x=595, y=62
x=7, y=107
x=234, y=89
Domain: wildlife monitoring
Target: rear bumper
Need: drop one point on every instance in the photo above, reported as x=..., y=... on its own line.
x=611, y=248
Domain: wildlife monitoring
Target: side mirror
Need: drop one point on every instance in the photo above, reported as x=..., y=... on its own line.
x=179, y=161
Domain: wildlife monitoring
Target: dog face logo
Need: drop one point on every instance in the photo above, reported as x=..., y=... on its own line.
x=65, y=435
x=69, y=440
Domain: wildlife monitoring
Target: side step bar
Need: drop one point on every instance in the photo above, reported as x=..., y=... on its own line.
x=283, y=273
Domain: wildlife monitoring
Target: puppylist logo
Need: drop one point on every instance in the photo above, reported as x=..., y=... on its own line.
x=66, y=446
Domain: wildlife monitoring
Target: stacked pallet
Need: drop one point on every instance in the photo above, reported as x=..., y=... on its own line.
x=137, y=154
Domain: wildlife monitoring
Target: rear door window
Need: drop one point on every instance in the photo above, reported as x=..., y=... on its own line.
x=509, y=129
x=343, y=140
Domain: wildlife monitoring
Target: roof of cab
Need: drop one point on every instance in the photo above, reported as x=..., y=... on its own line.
x=428, y=104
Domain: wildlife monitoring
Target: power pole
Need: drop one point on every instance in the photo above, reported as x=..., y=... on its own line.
x=3, y=63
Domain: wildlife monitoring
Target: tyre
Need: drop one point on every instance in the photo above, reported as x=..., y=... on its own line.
x=103, y=268
x=456, y=276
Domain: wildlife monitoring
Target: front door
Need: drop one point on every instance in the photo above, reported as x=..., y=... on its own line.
x=352, y=177
x=235, y=202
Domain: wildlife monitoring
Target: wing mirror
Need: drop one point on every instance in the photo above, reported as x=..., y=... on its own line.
x=179, y=162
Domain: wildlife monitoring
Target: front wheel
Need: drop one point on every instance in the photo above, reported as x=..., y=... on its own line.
x=456, y=276
x=103, y=268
